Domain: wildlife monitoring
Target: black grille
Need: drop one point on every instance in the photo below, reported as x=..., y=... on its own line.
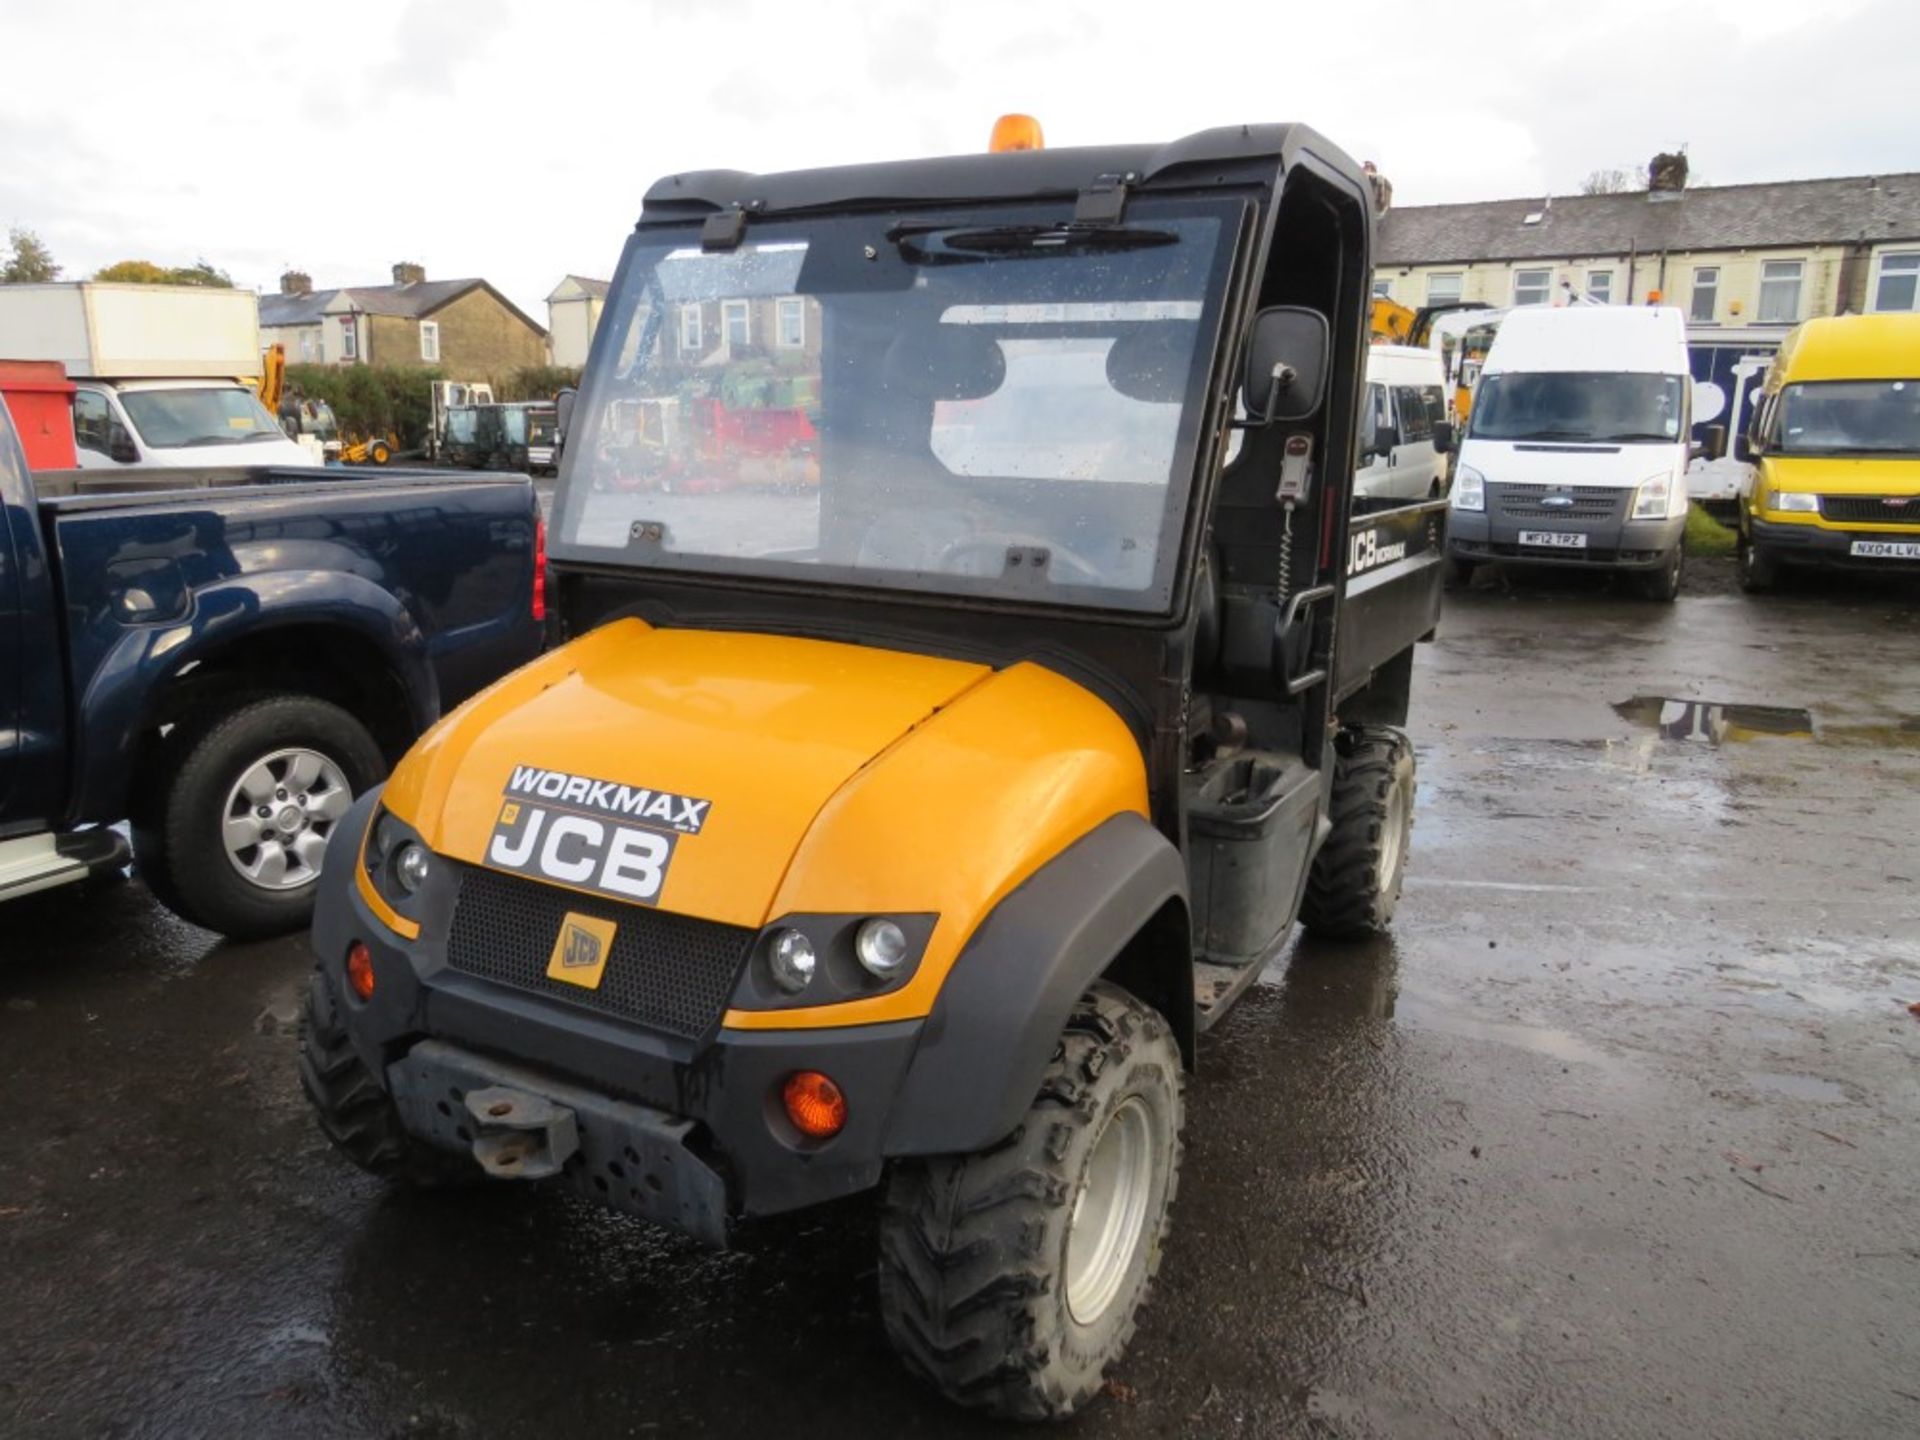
x=667, y=972
x=1590, y=502
x=1869, y=509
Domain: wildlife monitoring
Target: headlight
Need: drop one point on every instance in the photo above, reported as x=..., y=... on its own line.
x=1794, y=502
x=398, y=862
x=1655, y=495
x=411, y=866
x=1469, y=489
x=791, y=961
x=881, y=947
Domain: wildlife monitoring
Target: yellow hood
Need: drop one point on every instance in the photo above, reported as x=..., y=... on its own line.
x=1896, y=475
x=741, y=737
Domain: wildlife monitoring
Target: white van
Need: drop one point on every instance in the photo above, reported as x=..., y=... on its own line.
x=177, y=424
x=1577, y=448
x=1405, y=432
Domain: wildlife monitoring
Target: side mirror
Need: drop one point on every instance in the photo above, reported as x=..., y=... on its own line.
x=563, y=414
x=1287, y=355
x=1715, y=444
x=1743, y=450
x=120, y=446
x=1443, y=437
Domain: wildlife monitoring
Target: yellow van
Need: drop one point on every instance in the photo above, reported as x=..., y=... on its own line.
x=1835, y=445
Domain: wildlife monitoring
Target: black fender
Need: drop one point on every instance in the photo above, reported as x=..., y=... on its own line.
x=1007, y=998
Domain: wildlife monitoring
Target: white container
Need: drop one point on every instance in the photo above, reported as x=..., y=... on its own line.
x=110, y=332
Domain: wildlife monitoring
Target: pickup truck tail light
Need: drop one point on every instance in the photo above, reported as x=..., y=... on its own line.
x=539, y=569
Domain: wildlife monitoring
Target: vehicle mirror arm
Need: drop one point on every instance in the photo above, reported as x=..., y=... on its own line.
x=1281, y=379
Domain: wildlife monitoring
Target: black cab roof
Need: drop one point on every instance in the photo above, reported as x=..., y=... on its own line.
x=1228, y=155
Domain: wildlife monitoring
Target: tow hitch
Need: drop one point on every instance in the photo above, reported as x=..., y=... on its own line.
x=518, y=1136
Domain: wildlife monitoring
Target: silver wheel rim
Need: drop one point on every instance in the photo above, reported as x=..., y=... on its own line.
x=1110, y=1212
x=279, y=815
x=1394, y=835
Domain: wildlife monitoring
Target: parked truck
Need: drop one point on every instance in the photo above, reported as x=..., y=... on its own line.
x=227, y=658
x=904, y=830
x=165, y=375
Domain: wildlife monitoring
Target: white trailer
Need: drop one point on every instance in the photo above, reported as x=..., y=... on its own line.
x=162, y=372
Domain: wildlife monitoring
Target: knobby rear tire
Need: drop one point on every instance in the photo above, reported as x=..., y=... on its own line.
x=1355, y=882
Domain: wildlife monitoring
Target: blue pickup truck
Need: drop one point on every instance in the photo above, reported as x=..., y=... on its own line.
x=224, y=659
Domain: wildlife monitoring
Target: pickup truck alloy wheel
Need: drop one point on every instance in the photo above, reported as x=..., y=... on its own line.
x=279, y=815
x=1013, y=1278
x=239, y=804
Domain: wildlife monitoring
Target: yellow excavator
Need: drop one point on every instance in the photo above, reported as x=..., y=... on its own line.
x=315, y=417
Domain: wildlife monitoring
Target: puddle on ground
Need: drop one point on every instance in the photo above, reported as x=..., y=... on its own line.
x=1425, y=1010
x=1801, y=1087
x=1712, y=722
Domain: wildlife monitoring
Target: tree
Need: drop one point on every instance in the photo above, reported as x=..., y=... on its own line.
x=31, y=262
x=145, y=272
x=1614, y=182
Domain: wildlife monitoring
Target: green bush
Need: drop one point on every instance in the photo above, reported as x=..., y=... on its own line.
x=371, y=400
x=537, y=382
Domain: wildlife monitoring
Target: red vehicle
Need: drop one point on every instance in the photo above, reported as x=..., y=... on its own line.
x=40, y=398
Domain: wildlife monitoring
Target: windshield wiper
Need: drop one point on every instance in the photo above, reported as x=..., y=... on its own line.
x=933, y=244
x=1580, y=435
x=209, y=440
x=1643, y=435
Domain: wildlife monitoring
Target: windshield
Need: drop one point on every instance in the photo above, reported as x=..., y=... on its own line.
x=1578, y=407
x=174, y=419
x=990, y=404
x=1851, y=417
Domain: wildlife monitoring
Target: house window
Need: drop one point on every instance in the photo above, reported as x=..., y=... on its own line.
x=790, y=323
x=1382, y=289
x=1706, y=292
x=690, y=332
x=1899, y=287
x=736, y=323
x=1443, y=289
x=1532, y=287
x=306, y=346
x=1600, y=286
x=430, y=341
x=1779, y=291
x=349, y=340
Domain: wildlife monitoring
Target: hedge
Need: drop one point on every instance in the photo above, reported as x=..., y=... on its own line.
x=371, y=399
x=398, y=399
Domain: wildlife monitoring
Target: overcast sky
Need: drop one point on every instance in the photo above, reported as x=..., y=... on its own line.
x=514, y=141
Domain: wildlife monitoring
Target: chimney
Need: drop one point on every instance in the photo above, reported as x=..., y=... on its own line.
x=407, y=273
x=1667, y=173
x=296, y=282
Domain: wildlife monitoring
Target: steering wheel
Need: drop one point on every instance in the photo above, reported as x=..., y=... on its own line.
x=1058, y=556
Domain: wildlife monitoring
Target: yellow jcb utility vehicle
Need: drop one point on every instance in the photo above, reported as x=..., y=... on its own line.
x=905, y=831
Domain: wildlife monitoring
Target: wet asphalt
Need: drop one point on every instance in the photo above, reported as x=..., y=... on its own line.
x=1615, y=1136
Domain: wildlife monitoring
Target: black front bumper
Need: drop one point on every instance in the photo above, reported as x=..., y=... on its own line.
x=1814, y=545
x=1612, y=544
x=711, y=1104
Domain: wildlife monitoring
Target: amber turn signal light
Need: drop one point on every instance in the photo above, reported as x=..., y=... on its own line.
x=815, y=1105
x=360, y=969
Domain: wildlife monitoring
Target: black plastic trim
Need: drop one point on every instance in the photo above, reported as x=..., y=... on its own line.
x=1002, y=1007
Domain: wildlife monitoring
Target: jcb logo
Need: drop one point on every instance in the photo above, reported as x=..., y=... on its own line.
x=1367, y=552
x=591, y=834
x=580, y=950
x=578, y=947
